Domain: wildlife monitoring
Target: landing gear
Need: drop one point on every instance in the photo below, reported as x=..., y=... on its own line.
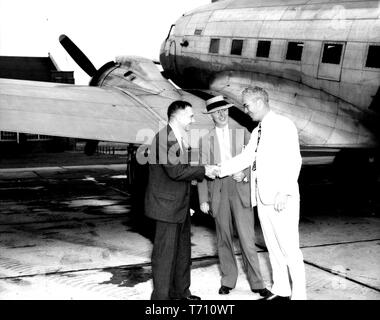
x=356, y=174
x=90, y=147
x=137, y=180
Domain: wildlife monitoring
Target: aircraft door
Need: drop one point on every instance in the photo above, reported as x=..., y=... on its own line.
x=331, y=60
x=170, y=48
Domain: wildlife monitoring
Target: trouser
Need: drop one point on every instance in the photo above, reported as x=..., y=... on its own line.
x=231, y=207
x=171, y=260
x=280, y=230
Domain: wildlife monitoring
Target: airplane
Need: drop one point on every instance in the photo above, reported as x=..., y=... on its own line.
x=317, y=59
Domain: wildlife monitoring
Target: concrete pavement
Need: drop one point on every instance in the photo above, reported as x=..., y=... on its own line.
x=69, y=233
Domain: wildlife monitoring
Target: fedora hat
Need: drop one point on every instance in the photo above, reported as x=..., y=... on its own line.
x=216, y=103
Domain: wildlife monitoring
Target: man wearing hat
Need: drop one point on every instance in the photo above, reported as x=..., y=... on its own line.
x=228, y=199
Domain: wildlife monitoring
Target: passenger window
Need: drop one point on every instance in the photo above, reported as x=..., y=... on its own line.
x=237, y=47
x=332, y=53
x=373, y=60
x=198, y=32
x=214, y=46
x=294, y=51
x=263, y=49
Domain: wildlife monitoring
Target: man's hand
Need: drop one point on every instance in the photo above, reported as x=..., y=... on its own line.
x=217, y=170
x=239, y=176
x=209, y=171
x=280, y=201
x=205, y=207
x=212, y=171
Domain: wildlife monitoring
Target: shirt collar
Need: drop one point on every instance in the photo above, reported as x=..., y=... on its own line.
x=225, y=128
x=266, y=117
x=177, y=134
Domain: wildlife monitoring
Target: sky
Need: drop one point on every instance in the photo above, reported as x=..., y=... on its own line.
x=102, y=29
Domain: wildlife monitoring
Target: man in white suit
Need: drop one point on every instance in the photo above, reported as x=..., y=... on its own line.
x=273, y=151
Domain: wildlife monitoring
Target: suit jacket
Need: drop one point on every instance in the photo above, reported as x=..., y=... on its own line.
x=278, y=158
x=167, y=196
x=209, y=190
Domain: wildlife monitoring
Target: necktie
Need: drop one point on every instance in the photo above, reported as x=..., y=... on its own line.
x=185, y=145
x=258, y=140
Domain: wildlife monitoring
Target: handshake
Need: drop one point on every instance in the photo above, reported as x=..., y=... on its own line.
x=212, y=171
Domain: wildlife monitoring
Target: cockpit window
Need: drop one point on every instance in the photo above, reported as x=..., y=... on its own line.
x=198, y=32
x=214, y=46
x=373, y=55
x=294, y=51
x=332, y=53
x=237, y=47
x=263, y=48
x=129, y=75
x=171, y=31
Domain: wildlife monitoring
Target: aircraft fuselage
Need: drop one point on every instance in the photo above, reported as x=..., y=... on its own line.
x=317, y=60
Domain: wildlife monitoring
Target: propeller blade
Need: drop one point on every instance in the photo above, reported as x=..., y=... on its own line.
x=77, y=55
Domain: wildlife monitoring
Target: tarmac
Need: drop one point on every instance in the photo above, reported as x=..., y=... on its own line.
x=69, y=233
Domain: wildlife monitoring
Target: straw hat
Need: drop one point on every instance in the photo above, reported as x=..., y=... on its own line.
x=215, y=104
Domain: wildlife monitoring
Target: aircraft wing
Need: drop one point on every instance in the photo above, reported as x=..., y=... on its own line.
x=128, y=113
x=71, y=111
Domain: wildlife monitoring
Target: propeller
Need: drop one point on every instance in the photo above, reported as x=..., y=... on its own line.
x=78, y=56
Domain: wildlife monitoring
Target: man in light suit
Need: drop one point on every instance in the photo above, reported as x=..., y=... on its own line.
x=167, y=201
x=229, y=199
x=273, y=151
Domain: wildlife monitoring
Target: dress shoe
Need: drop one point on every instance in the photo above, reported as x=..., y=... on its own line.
x=264, y=293
x=224, y=290
x=191, y=297
x=276, y=297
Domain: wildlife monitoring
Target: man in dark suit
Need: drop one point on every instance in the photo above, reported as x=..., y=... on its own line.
x=167, y=201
